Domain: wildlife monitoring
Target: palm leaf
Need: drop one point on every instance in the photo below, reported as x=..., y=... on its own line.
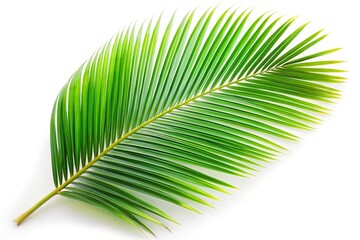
x=158, y=108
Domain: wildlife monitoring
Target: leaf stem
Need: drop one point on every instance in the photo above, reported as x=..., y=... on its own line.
x=28, y=212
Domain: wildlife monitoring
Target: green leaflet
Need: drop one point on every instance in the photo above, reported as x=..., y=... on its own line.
x=152, y=111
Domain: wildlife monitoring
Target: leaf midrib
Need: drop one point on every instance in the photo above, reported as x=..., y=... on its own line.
x=132, y=131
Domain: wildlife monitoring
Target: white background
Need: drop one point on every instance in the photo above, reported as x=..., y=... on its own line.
x=312, y=192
